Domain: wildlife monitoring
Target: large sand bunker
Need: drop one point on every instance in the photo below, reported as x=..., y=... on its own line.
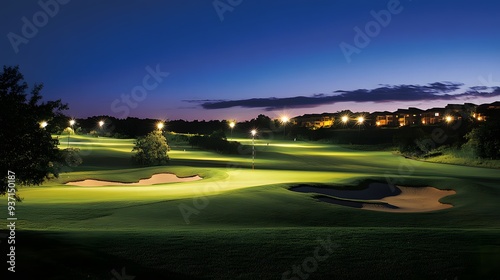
x=155, y=179
x=382, y=197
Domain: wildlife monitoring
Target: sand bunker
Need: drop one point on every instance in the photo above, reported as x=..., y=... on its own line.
x=382, y=197
x=155, y=179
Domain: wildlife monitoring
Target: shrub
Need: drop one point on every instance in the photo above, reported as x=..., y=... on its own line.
x=216, y=141
x=151, y=149
x=485, y=141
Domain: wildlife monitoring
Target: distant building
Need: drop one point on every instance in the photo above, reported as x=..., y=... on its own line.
x=385, y=118
x=405, y=117
x=485, y=111
x=494, y=106
x=460, y=111
x=315, y=121
x=410, y=116
x=433, y=116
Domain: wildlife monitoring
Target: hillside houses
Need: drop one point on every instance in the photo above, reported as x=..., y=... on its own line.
x=401, y=117
x=433, y=116
x=385, y=118
x=315, y=121
x=484, y=111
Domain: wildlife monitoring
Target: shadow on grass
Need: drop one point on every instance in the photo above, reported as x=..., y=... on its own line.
x=51, y=256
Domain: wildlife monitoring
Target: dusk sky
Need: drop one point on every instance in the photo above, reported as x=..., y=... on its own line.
x=235, y=59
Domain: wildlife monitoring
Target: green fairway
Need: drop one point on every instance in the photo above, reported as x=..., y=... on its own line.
x=244, y=223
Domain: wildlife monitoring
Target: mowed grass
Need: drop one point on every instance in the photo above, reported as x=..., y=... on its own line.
x=239, y=223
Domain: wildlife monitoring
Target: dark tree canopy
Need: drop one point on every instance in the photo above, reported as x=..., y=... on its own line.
x=26, y=148
x=216, y=141
x=151, y=149
x=485, y=140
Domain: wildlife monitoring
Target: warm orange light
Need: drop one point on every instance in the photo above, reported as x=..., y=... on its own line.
x=43, y=124
x=232, y=124
x=345, y=119
x=160, y=125
x=449, y=118
x=377, y=123
x=361, y=120
x=285, y=119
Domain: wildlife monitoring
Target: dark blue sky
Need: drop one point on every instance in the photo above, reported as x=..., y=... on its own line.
x=93, y=54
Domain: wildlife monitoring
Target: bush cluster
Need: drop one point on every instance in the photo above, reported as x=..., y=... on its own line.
x=216, y=141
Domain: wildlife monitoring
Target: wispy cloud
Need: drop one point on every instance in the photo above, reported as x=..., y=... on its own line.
x=385, y=93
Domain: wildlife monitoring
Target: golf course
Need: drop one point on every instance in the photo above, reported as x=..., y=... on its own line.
x=307, y=210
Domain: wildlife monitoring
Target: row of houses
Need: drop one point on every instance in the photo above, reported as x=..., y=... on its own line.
x=315, y=121
x=401, y=117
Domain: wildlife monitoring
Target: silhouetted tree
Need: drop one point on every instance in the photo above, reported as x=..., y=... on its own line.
x=263, y=122
x=27, y=149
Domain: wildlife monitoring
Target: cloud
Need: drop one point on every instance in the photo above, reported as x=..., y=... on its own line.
x=386, y=93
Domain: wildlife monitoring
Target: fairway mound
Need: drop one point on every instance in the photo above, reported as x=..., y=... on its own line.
x=161, y=178
x=382, y=197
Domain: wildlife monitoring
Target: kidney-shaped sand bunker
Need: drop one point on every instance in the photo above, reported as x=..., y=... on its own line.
x=155, y=179
x=382, y=197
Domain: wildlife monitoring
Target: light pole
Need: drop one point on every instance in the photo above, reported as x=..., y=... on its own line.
x=360, y=122
x=284, y=120
x=71, y=123
x=101, y=124
x=231, y=125
x=253, y=147
x=160, y=126
x=345, y=119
